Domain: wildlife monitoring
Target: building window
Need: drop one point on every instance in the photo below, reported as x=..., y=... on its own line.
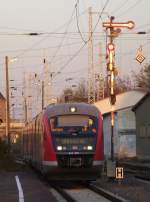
x=148, y=130
x=142, y=131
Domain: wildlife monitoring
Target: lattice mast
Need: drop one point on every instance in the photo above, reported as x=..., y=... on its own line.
x=91, y=68
x=28, y=95
x=100, y=82
x=47, y=83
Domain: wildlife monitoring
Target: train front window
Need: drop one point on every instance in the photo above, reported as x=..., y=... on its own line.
x=75, y=120
x=72, y=123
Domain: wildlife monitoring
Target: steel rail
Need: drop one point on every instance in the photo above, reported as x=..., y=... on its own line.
x=64, y=194
x=106, y=194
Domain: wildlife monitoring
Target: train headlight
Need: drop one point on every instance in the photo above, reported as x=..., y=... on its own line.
x=73, y=109
x=89, y=147
x=59, y=148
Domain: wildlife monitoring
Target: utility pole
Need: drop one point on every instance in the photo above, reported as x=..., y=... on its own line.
x=25, y=110
x=91, y=67
x=114, y=30
x=29, y=96
x=42, y=95
x=7, y=105
x=24, y=95
x=99, y=78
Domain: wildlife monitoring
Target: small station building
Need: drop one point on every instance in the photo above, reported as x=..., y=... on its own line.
x=125, y=125
x=142, y=114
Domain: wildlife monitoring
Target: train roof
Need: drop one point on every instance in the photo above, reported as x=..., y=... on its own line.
x=65, y=108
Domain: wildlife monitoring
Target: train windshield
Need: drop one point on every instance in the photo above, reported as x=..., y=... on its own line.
x=64, y=121
x=67, y=122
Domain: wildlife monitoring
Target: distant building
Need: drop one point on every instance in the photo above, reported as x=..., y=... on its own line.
x=142, y=114
x=125, y=128
x=2, y=109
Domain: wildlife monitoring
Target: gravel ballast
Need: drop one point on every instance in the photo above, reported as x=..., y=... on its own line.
x=130, y=188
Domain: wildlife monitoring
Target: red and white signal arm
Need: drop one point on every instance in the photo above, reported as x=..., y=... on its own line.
x=130, y=24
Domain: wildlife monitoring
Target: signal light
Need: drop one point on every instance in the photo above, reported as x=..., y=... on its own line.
x=59, y=148
x=73, y=109
x=110, y=63
x=111, y=47
x=89, y=147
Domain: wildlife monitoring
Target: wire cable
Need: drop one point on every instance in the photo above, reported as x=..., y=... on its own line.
x=100, y=16
x=43, y=39
x=80, y=49
x=66, y=30
x=117, y=9
x=130, y=8
x=77, y=20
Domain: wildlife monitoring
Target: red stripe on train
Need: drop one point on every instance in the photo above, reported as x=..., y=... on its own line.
x=99, y=153
x=49, y=152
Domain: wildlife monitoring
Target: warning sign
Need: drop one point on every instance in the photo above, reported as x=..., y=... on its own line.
x=119, y=173
x=140, y=57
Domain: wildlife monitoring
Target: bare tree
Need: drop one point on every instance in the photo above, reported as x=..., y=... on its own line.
x=123, y=84
x=77, y=93
x=142, y=79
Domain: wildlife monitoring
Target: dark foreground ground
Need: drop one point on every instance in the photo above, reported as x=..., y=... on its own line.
x=131, y=188
x=33, y=188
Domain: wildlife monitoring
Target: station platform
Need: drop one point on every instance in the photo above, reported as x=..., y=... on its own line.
x=23, y=186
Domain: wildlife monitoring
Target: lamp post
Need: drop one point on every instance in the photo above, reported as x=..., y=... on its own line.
x=42, y=95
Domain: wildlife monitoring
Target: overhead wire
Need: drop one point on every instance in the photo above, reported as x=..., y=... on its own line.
x=17, y=29
x=43, y=39
x=120, y=7
x=141, y=26
x=130, y=8
x=77, y=20
x=80, y=49
x=39, y=49
x=66, y=30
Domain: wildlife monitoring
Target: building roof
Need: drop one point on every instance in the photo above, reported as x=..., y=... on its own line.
x=2, y=97
x=140, y=102
x=123, y=100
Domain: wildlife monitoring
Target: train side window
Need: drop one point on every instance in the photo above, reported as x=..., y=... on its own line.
x=90, y=122
x=52, y=123
x=148, y=131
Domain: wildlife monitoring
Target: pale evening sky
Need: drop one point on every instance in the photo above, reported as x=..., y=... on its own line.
x=19, y=17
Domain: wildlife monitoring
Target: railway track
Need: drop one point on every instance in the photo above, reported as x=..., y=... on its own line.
x=86, y=193
x=139, y=174
x=64, y=194
x=79, y=192
x=142, y=177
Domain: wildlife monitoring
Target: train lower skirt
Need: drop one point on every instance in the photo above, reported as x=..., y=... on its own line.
x=55, y=172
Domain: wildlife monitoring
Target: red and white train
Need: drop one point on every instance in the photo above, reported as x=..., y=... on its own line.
x=65, y=142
